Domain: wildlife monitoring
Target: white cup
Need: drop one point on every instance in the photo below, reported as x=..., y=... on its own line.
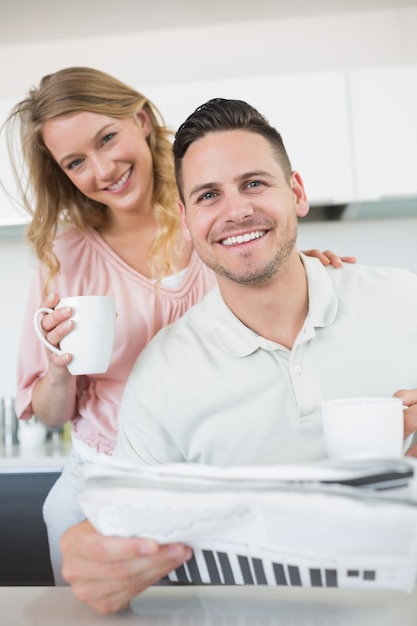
x=91, y=340
x=364, y=428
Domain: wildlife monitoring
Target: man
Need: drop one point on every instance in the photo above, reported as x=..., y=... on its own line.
x=240, y=378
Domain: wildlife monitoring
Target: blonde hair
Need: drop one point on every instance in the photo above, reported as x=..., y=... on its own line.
x=47, y=193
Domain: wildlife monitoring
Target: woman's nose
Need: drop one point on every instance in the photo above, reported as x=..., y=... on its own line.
x=103, y=167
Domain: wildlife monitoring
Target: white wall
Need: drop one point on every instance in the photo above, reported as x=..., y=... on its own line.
x=212, y=52
x=15, y=274
x=389, y=242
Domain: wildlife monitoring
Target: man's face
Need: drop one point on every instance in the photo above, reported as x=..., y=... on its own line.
x=240, y=211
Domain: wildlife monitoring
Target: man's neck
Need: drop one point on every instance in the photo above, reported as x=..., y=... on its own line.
x=276, y=310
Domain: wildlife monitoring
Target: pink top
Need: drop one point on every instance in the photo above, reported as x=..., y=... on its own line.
x=142, y=309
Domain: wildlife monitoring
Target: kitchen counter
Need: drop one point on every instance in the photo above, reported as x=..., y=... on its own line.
x=212, y=606
x=48, y=456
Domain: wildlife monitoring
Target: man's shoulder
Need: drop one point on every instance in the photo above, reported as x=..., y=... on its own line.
x=175, y=352
x=392, y=287
x=387, y=275
x=192, y=327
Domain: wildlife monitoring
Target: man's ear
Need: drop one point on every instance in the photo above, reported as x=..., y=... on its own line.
x=186, y=232
x=301, y=200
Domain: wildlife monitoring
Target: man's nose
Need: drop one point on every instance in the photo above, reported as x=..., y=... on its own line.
x=237, y=207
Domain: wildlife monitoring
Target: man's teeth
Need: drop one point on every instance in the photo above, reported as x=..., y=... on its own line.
x=231, y=241
x=120, y=182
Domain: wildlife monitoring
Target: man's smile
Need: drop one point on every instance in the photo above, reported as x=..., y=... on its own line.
x=238, y=239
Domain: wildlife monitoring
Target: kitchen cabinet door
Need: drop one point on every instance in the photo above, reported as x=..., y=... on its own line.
x=309, y=110
x=384, y=131
x=24, y=550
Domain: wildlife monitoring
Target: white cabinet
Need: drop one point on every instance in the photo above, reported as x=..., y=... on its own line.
x=310, y=110
x=351, y=135
x=384, y=131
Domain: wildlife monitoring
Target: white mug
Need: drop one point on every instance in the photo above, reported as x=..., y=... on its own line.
x=90, y=342
x=361, y=428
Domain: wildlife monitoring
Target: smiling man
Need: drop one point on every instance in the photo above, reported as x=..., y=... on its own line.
x=241, y=213
x=240, y=378
x=244, y=373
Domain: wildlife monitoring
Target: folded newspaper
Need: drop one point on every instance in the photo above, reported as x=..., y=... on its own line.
x=351, y=524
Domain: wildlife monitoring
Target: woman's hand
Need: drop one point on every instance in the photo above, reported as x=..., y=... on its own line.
x=330, y=258
x=108, y=572
x=55, y=326
x=54, y=396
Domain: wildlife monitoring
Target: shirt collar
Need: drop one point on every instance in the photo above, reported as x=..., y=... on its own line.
x=322, y=300
x=239, y=340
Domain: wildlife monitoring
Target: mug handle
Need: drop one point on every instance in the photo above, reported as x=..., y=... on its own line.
x=39, y=331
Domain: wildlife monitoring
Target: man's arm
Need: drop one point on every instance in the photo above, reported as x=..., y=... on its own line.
x=108, y=572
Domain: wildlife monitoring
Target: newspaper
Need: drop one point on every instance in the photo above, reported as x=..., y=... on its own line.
x=351, y=524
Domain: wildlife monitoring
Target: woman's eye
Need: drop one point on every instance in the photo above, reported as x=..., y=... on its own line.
x=75, y=163
x=108, y=137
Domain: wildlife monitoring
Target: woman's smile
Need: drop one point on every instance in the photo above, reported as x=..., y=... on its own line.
x=121, y=182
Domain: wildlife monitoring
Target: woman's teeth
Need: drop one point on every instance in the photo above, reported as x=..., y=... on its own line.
x=120, y=182
x=231, y=241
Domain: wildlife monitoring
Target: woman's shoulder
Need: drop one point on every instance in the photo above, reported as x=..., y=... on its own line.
x=69, y=239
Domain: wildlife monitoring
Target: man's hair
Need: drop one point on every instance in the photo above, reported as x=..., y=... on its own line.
x=220, y=114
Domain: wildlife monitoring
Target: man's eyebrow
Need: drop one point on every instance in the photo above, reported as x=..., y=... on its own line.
x=204, y=187
x=253, y=174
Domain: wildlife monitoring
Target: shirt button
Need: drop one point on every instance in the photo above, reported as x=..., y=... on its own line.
x=298, y=369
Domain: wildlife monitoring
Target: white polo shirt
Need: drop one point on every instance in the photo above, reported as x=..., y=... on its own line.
x=209, y=390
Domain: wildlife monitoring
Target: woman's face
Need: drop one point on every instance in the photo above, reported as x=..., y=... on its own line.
x=107, y=159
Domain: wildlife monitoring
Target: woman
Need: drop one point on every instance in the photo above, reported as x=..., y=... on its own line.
x=101, y=193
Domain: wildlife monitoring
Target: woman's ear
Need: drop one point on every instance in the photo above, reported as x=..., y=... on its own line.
x=185, y=230
x=144, y=121
x=301, y=200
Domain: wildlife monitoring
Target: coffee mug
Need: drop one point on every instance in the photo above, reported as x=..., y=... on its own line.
x=363, y=428
x=90, y=342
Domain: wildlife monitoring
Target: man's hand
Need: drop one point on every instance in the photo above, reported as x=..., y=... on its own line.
x=409, y=398
x=107, y=572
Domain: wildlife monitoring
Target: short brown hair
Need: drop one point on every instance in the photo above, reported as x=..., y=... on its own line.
x=220, y=114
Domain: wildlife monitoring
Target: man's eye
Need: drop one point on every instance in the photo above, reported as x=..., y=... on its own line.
x=255, y=183
x=209, y=195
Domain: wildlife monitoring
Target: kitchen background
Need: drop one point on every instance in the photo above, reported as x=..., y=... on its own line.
x=338, y=79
